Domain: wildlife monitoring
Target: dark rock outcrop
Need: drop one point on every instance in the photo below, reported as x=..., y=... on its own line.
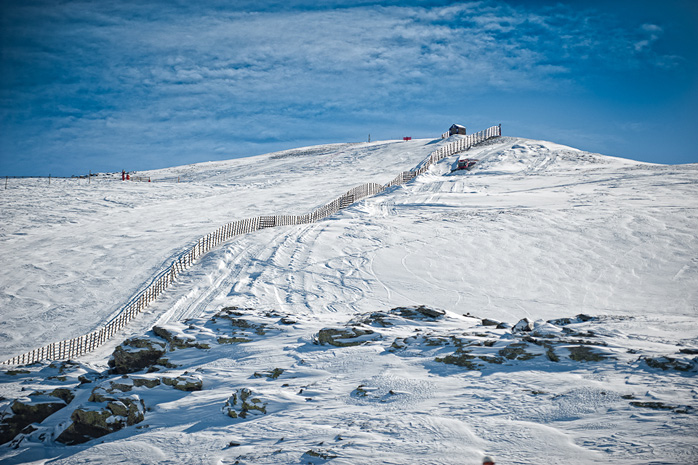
x=32, y=409
x=177, y=342
x=345, y=337
x=185, y=382
x=243, y=403
x=136, y=354
x=524, y=325
x=94, y=422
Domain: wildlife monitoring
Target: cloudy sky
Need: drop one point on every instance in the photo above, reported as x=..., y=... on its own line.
x=105, y=86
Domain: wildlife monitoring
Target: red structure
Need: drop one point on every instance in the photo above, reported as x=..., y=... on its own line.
x=406, y=138
x=466, y=163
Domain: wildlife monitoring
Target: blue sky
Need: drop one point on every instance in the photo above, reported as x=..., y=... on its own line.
x=105, y=86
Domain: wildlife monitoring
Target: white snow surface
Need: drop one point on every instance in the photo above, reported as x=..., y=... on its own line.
x=536, y=230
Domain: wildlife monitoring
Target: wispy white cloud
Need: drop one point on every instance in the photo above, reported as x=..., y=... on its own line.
x=155, y=77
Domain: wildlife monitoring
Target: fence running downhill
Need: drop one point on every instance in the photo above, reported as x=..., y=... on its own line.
x=81, y=345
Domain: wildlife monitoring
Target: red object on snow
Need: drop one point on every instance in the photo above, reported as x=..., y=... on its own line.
x=406, y=138
x=467, y=163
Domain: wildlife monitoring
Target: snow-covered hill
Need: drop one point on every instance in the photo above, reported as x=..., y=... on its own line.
x=79, y=251
x=536, y=230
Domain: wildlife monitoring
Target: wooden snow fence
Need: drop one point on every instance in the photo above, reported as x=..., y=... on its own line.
x=81, y=345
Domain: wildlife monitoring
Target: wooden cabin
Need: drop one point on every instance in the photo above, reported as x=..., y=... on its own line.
x=456, y=129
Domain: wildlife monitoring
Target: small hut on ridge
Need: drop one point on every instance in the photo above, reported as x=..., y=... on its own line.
x=456, y=129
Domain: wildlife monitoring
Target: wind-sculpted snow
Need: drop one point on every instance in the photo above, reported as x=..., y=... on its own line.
x=109, y=237
x=536, y=231
x=76, y=347
x=433, y=386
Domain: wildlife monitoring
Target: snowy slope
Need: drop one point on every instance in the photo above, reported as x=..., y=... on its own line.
x=536, y=230
x=76, y=252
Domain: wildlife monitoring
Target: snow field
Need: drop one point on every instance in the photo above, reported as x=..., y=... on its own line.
x=378, y=403
x=80, y=249
x=537, y=230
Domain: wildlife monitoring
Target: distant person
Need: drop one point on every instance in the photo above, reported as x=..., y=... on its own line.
x=487, y=460
x=123, y=175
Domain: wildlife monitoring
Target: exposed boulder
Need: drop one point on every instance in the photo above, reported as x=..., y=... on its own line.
x=247, y=329
x=671, y=363
x=345, y=337
x=231, y=312
x=524, y=325
x=418, y=313
x=17, y=372
x=585, y=354
x=185, y=382
x=146, y=382
x=108, y=390
x=63, y=393
x=233, y=340
x=92, y=422
x=271, y=374
x=517, y=351
x=581, y=318
x=135, y=354
x=243, y=403
x=34, y=408
x=381, y=319
x=397, y=315
x=177, y=339
x=313, y=455
x=662, y=406
x=461, y=358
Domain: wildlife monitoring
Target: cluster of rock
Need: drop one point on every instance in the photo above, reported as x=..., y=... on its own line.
x=103, y=414
x=143, y=365
x=248, y=329
x=225, y=327
x=489, y=343
x=34, y=408
x=112, y=405
x=244, y=402
x=136, y=354
x=358, y=331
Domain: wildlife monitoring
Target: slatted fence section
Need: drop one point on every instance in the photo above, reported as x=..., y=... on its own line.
x=81, y=345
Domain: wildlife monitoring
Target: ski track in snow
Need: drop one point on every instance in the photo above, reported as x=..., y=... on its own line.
x=535, y=230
